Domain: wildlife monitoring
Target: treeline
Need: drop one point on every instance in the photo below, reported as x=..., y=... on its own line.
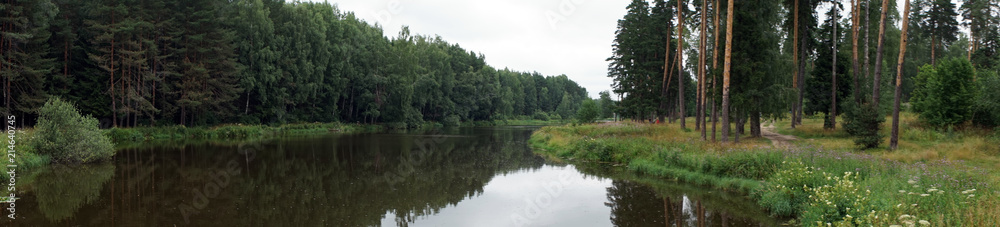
x=205, y=62
x=783, y=60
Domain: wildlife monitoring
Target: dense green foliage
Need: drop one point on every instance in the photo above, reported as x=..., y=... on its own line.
x=944, y=95
x=588, y=111
x=987, y=104
x=864, y=122
x=818, y=92
x=196, y=63
x=67, y=137
x=637, y=62
x=607, y=105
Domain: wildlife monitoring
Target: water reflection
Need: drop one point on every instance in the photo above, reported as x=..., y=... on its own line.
x=638, y=200
x=62, y=190
x=460, y=177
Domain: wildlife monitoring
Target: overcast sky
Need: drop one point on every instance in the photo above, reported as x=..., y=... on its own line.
x=552, y=37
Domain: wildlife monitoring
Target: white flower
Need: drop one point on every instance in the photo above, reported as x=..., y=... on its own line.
x=925, y=222
x=924, y=195
x=902, y=191
x=905, y=216
x=911, y=181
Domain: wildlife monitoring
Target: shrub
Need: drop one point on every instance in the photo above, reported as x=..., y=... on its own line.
x=452, y=121
x=65, y=136
x=943, y=96
x=588, y=111
x=539, y=115
x=986, y=109
x=863, y=122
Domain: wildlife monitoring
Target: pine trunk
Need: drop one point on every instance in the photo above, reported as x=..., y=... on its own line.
x=879, y=49
x=856, y=8
x=701, y=69
x=665, y=83
x=894, y=140
x=114, y=106
x=795, y=61
x=725, y=72
x=680, y=65
x=715, y=62
x=933, y=44
x=833, y=88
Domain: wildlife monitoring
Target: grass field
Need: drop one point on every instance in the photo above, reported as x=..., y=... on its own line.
x=937, y=178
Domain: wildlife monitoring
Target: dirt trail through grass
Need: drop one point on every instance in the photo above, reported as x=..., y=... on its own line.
x=777, y=140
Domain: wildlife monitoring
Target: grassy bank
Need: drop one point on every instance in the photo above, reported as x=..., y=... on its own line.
x=917, y=141
x=817, y=186
x=229, y=131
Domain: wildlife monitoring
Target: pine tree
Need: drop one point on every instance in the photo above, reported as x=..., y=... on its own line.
x=894, y=139
x=24, y=55
x=725, y=72
x=878, y=55
x=940, y=24
x=680, y=67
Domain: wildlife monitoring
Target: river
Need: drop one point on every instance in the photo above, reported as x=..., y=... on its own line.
x=451, y=177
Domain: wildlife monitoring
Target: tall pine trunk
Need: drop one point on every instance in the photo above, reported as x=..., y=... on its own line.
x=876, y=83
x=701, y=69
x=855, y=19
x=715, y=63
x=666, y=81
x=114, y=107
x=725, y=72
x=680, y=65
x=795, y=61
x=894, y=140
x=833, y=88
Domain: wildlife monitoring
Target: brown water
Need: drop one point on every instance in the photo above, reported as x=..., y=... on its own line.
x=455, y=177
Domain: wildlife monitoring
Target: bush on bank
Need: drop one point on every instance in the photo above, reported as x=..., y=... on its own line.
x=66, y=136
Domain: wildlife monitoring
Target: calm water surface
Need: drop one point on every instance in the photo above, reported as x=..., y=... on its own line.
x=453, y=177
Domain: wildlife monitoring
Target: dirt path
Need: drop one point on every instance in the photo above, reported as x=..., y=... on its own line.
x=777, y=140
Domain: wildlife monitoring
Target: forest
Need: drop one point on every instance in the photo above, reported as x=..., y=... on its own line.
x=750, y=61
x=208, y=62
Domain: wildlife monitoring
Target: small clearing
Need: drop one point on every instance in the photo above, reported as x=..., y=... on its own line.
x=777, y=140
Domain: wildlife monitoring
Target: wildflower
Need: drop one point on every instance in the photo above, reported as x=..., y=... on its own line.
x=925, y=223
x=911, y=181
x=902, y=191
x=905, y=216
x=932, y=190
x=895, y=226
x=925, y=195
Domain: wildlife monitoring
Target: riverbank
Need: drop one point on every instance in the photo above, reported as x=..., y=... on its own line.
x=814, y=185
